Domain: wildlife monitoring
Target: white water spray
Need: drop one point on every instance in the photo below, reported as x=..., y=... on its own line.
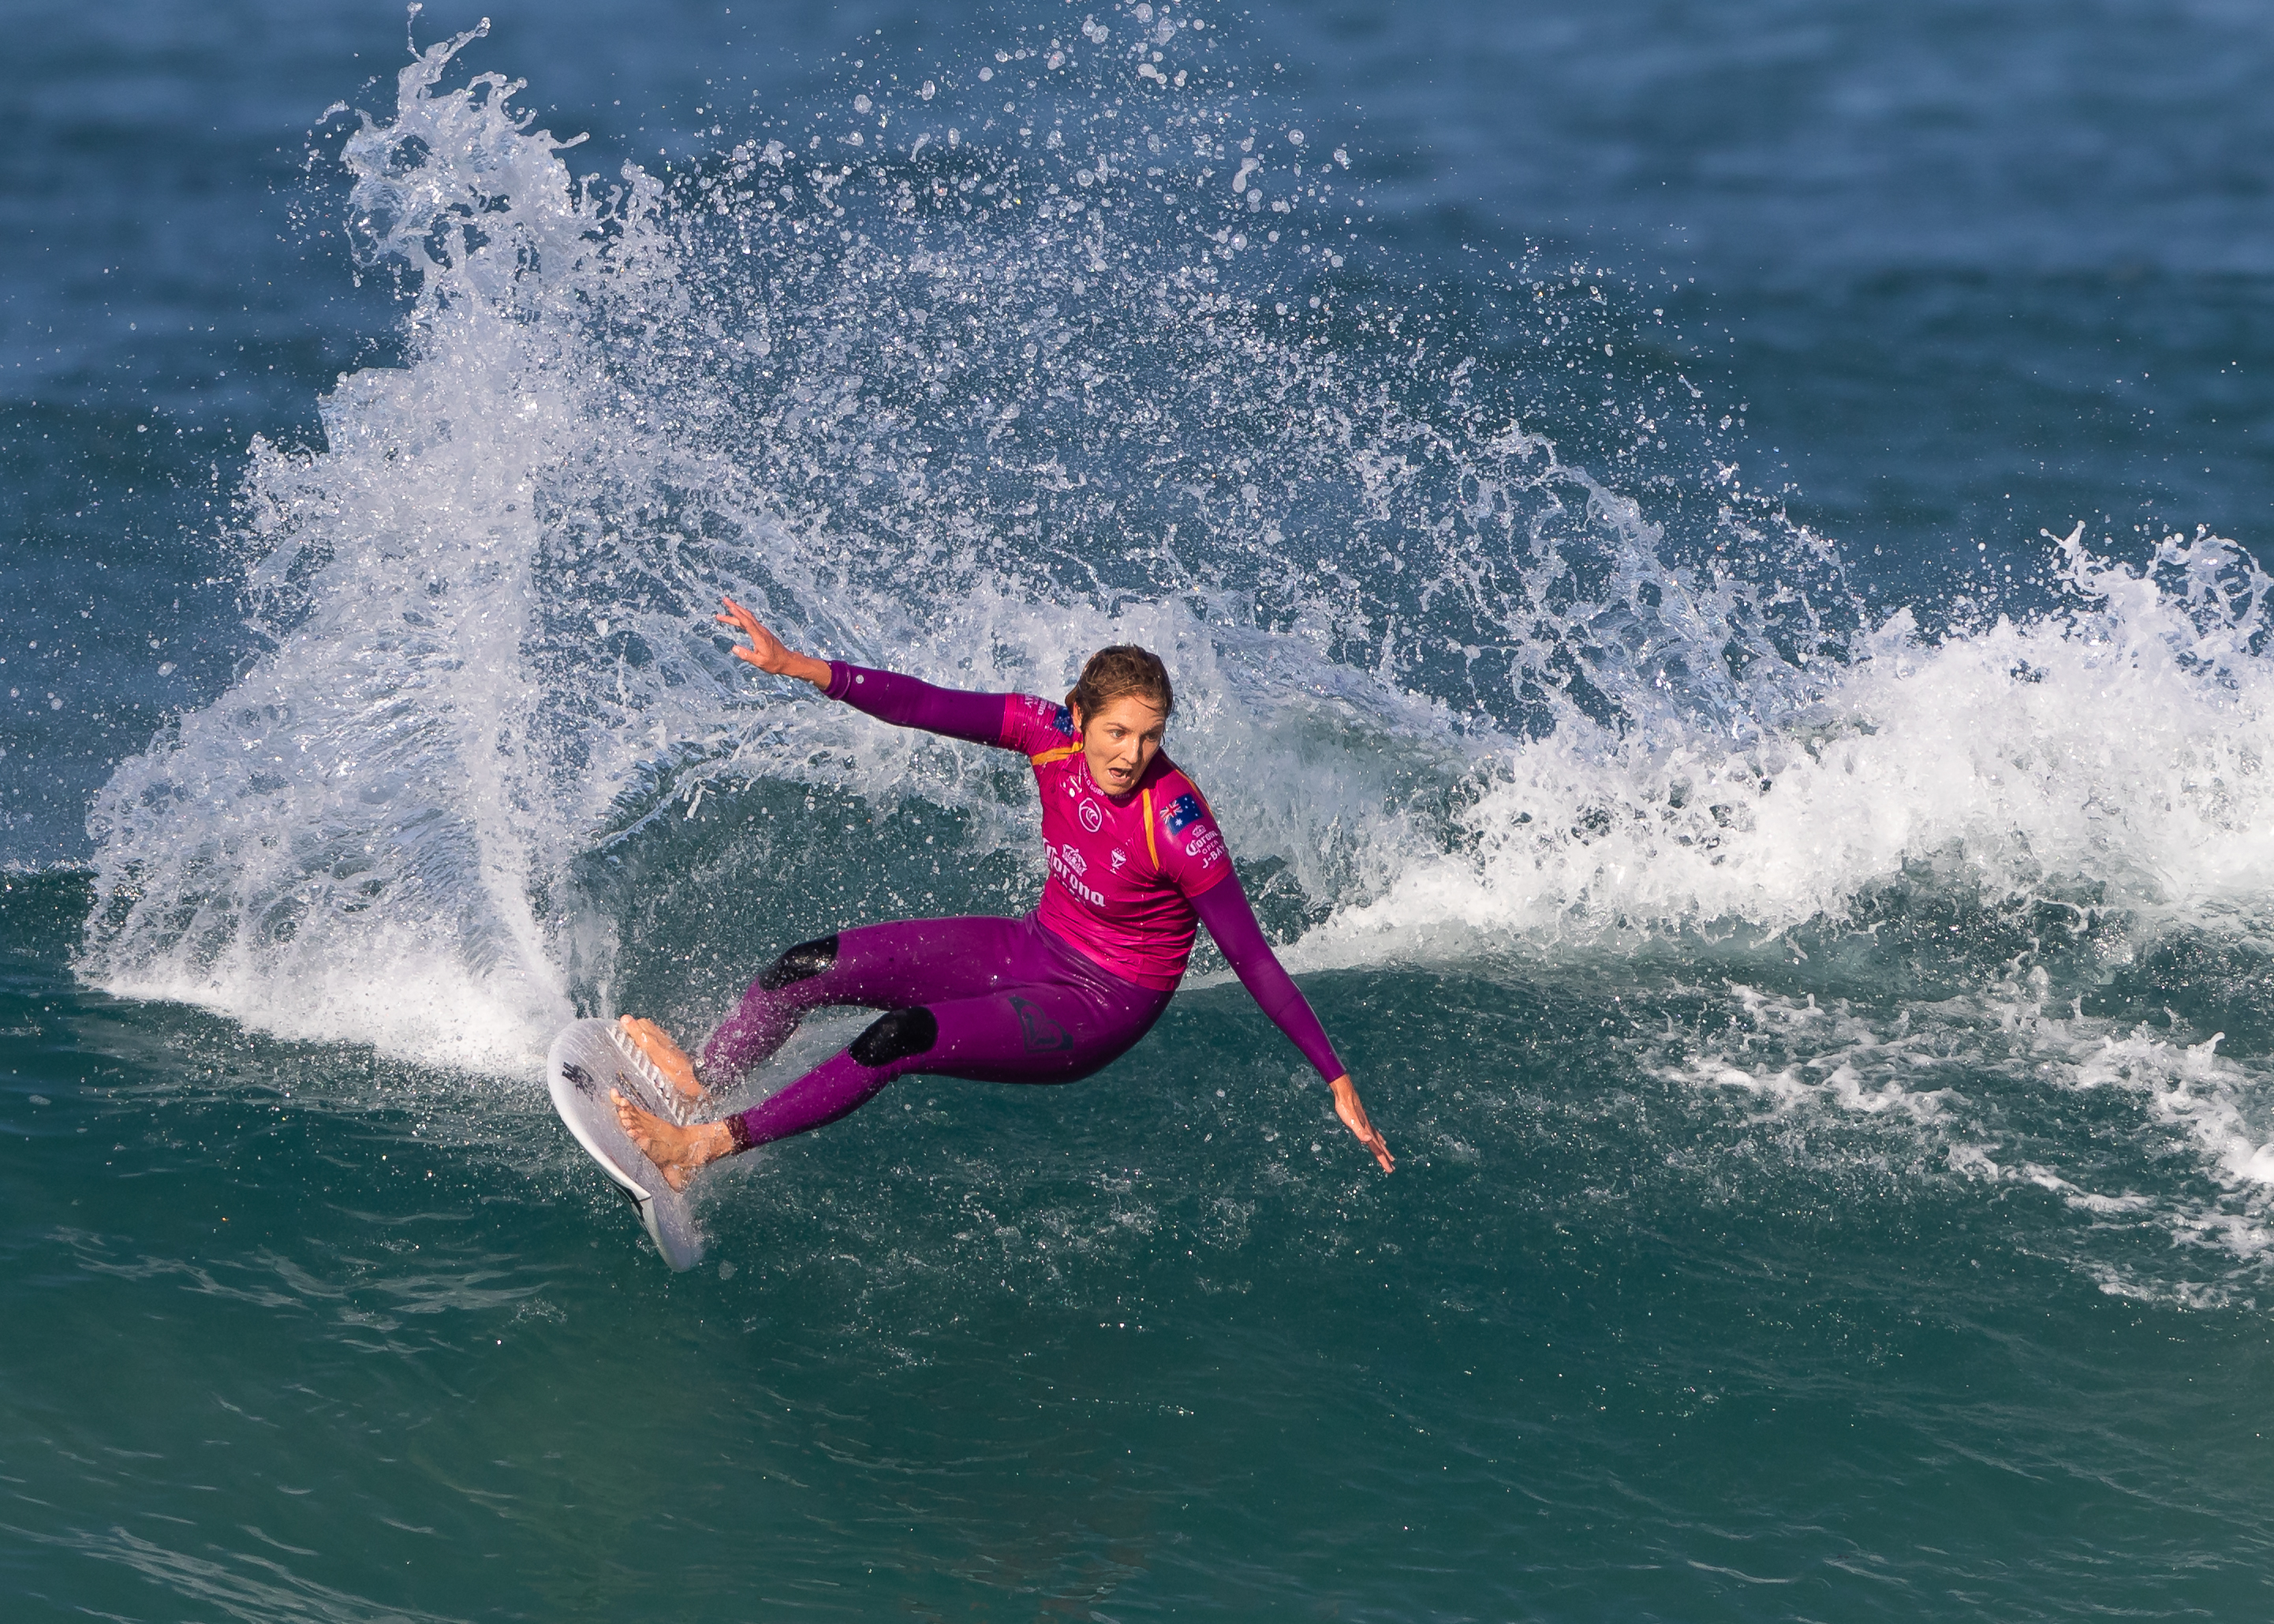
x=970, y=411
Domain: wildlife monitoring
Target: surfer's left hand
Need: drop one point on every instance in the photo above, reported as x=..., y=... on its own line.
x=1354, y=1116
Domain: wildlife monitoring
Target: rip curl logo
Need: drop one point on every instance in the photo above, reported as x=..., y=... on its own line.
x=1043, y=1036
x=1092, y=819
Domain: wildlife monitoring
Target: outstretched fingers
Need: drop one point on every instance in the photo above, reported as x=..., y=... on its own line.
x=1353, y=1115
x=737, y=617
x=768, y=652
x=1373, y=1140
x=764, y=643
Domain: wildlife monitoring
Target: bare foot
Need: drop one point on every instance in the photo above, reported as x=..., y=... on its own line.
x=664, y=1055
x=678, y=1152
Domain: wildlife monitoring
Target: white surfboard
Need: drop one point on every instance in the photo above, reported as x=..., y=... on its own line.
x=589, y=1058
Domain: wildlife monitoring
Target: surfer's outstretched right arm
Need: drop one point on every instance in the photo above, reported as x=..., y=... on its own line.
x=905, y=702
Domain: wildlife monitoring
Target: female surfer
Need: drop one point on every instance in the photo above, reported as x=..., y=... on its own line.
x=1134, y=858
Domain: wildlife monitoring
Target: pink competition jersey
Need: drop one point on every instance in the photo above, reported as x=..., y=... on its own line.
x=1121, y=873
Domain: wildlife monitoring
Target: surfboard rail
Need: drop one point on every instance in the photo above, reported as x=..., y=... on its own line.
x=587, y=1060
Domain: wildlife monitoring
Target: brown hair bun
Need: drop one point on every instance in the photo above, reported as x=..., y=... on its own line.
x=1119, y=671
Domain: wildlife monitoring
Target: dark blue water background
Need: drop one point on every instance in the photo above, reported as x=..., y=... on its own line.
x=1826, y=1027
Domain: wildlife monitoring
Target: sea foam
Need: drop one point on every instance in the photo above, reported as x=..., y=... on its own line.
x=2112, y=750
x=951, y=407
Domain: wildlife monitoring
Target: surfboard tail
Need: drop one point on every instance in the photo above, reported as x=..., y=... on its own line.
x=588, y=1061
x=662, y=1098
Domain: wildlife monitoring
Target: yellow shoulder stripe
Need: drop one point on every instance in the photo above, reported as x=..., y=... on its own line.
x=1047, y=756
x=1151, y=850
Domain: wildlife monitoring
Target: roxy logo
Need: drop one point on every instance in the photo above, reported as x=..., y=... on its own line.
x=1091, y=817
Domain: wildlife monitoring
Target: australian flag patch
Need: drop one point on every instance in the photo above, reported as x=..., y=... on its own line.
x=1063, y=722
x=1183, y=812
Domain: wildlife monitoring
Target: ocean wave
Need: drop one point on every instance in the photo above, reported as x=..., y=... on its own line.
x=2111, y=752
x=972, y=404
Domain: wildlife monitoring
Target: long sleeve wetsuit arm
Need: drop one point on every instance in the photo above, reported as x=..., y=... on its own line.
x=907, y=701
x=1225, y=909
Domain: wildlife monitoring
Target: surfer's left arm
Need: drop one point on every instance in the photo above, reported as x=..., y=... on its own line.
x=1230, y=919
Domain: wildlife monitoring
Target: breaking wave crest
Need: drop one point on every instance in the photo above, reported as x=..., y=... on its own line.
x=927, y=392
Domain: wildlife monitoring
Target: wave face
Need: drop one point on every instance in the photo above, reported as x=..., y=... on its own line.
x=968, y=390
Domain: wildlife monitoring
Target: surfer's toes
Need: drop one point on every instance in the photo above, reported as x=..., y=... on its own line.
x=648, y=1134
x=676, y=1151
x=665, y=1056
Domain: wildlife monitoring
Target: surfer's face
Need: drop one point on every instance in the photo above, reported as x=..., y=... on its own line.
x=1120, y=741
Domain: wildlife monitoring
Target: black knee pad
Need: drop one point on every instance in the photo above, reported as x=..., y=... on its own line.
x=896, y=1035
x=807, y=959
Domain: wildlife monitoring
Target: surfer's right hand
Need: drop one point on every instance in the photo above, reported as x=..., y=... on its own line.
x=768, y=652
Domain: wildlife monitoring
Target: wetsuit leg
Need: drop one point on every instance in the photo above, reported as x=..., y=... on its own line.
x=1048, y=1031
x=883, y=966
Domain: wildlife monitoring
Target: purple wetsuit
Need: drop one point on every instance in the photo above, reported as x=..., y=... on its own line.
x=1048, y=998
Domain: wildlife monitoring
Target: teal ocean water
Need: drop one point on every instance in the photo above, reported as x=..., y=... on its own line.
x=1712, y=566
